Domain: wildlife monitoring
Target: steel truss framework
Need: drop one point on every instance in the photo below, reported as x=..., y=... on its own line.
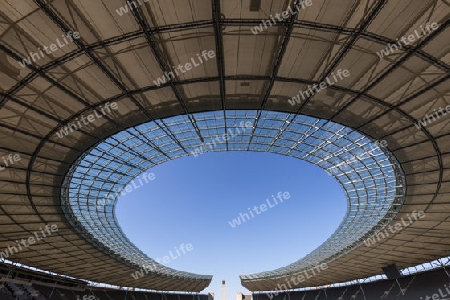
x=117, y=58
x=372, y=180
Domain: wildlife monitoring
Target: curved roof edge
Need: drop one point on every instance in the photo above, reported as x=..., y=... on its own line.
x=369, y=175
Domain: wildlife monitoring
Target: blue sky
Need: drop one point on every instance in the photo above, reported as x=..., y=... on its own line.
x=193, y=199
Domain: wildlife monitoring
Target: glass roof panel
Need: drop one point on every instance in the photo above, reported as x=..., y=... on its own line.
x=369, y=174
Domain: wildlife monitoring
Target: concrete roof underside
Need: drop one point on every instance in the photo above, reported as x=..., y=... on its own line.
x=117, y=58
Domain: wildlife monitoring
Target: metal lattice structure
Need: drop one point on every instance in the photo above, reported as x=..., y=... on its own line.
x=372, y=181
x=118, y=56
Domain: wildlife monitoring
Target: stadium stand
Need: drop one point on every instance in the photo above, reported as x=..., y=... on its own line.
x=25, y=284
x=18, y=283
x=410, y=287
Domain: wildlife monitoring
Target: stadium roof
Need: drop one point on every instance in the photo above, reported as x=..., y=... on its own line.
x=118, y=58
